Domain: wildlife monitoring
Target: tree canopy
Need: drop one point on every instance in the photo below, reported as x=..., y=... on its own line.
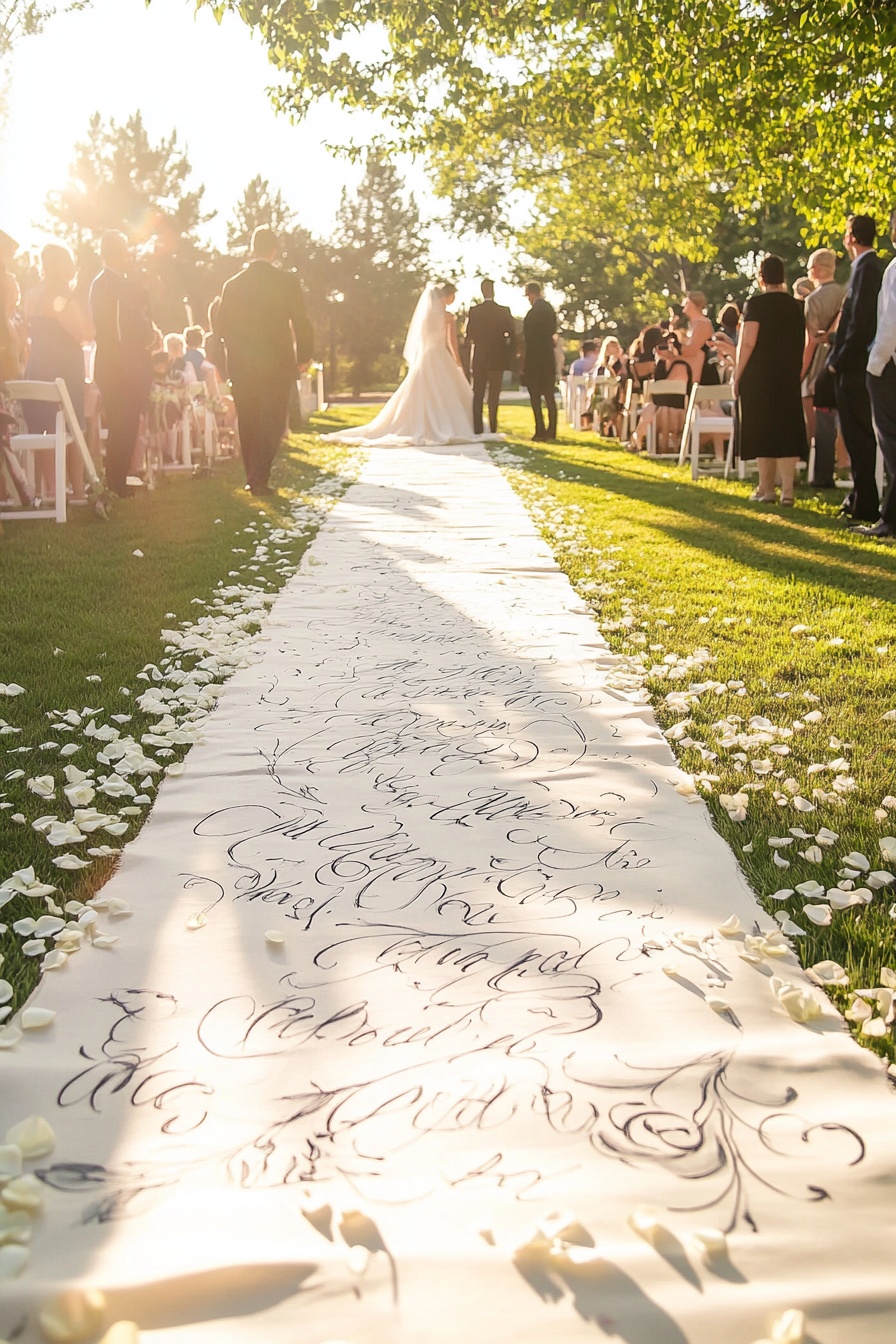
x=667, y=120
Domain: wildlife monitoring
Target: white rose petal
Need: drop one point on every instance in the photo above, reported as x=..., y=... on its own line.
x=710, y=1243
x=23, y=1192
x=879, y=879
x=44, y=786
x=819, y=914
x=33, y=1019
x=731, y=927
x=779, y=862
x=13, y=1260
x=800, y=1003
x=10, y=1161
x=888, y=848
x=73, y=1316
x=888, y=977
x=803, y=804
x=274, y=937
x=69, y=862
x=826, y=973
x=811, y=890
x=813, y=854
x=784, y=894
x=54, y=960
x=858, y=1011
x=34, y=1136
x=645, y=1220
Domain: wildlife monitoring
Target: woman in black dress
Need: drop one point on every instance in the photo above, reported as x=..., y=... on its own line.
x=770, y=422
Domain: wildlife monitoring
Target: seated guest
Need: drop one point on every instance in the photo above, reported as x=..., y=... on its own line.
x=194, y=353
x=610, y=359
x=770, y=423
x=586, y=361
x=700, y=354
x=728, y=322
x=178, y=367
x=641, y=359
x=57, y=326
x=665, y=409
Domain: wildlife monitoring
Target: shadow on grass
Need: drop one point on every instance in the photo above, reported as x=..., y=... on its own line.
x=807, y=545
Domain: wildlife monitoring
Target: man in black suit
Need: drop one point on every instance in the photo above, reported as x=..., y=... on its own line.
x=539, y=367
x=848, y=361
x=262, y=322
x=123, y=365
x=490, y=336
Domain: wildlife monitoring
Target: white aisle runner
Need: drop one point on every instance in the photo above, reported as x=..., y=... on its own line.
x=426, y=1116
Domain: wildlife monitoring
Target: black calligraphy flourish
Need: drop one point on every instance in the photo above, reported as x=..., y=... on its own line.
x=691, y=1120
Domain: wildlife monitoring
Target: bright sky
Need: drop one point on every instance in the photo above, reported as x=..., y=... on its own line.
x=208, y=82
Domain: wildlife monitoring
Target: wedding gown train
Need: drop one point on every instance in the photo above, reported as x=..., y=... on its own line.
x=433, y=405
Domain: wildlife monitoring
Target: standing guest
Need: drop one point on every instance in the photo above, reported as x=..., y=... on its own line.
x=822, y=307
x=123, y=366
x=882, y=392
x=770, y=420
x=848, y=361
x=490, y=337
x=58, y=326
x=268, y=338
x=539, y=367
x=194, y=353
x=11, y=343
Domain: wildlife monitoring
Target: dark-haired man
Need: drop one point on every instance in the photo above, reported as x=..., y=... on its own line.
x=123, y=364
x=539, y=364
x=490, y=337
x=881, y=380
x=262, y=322
x=848, y=361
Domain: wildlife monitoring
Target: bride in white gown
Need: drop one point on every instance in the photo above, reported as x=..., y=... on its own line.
x=434, y=403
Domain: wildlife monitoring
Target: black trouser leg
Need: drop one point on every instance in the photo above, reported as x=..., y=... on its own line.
x=495, y=379
x=854, y=409
x=123, y=405
x=551, y=399
x=272, y=425
x=825, y=444
x=537, y=415
x=480, y=379
x=882, y=394
x=245, y=401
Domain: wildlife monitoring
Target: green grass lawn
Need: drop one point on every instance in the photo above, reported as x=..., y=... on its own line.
x=788, y=605
x=81, y=617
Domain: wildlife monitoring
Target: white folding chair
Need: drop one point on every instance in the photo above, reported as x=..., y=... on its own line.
x=630, y=401
x=67, y=431
x=576, y=399
x=673, y=387
x=698, y=422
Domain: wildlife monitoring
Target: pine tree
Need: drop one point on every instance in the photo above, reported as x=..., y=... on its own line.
x=120, y=180
x=258, y=205
x=379, y=268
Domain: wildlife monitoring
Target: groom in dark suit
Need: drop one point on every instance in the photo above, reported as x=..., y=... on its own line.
x=490, y=337
x=262, y=322
x=539, y=368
